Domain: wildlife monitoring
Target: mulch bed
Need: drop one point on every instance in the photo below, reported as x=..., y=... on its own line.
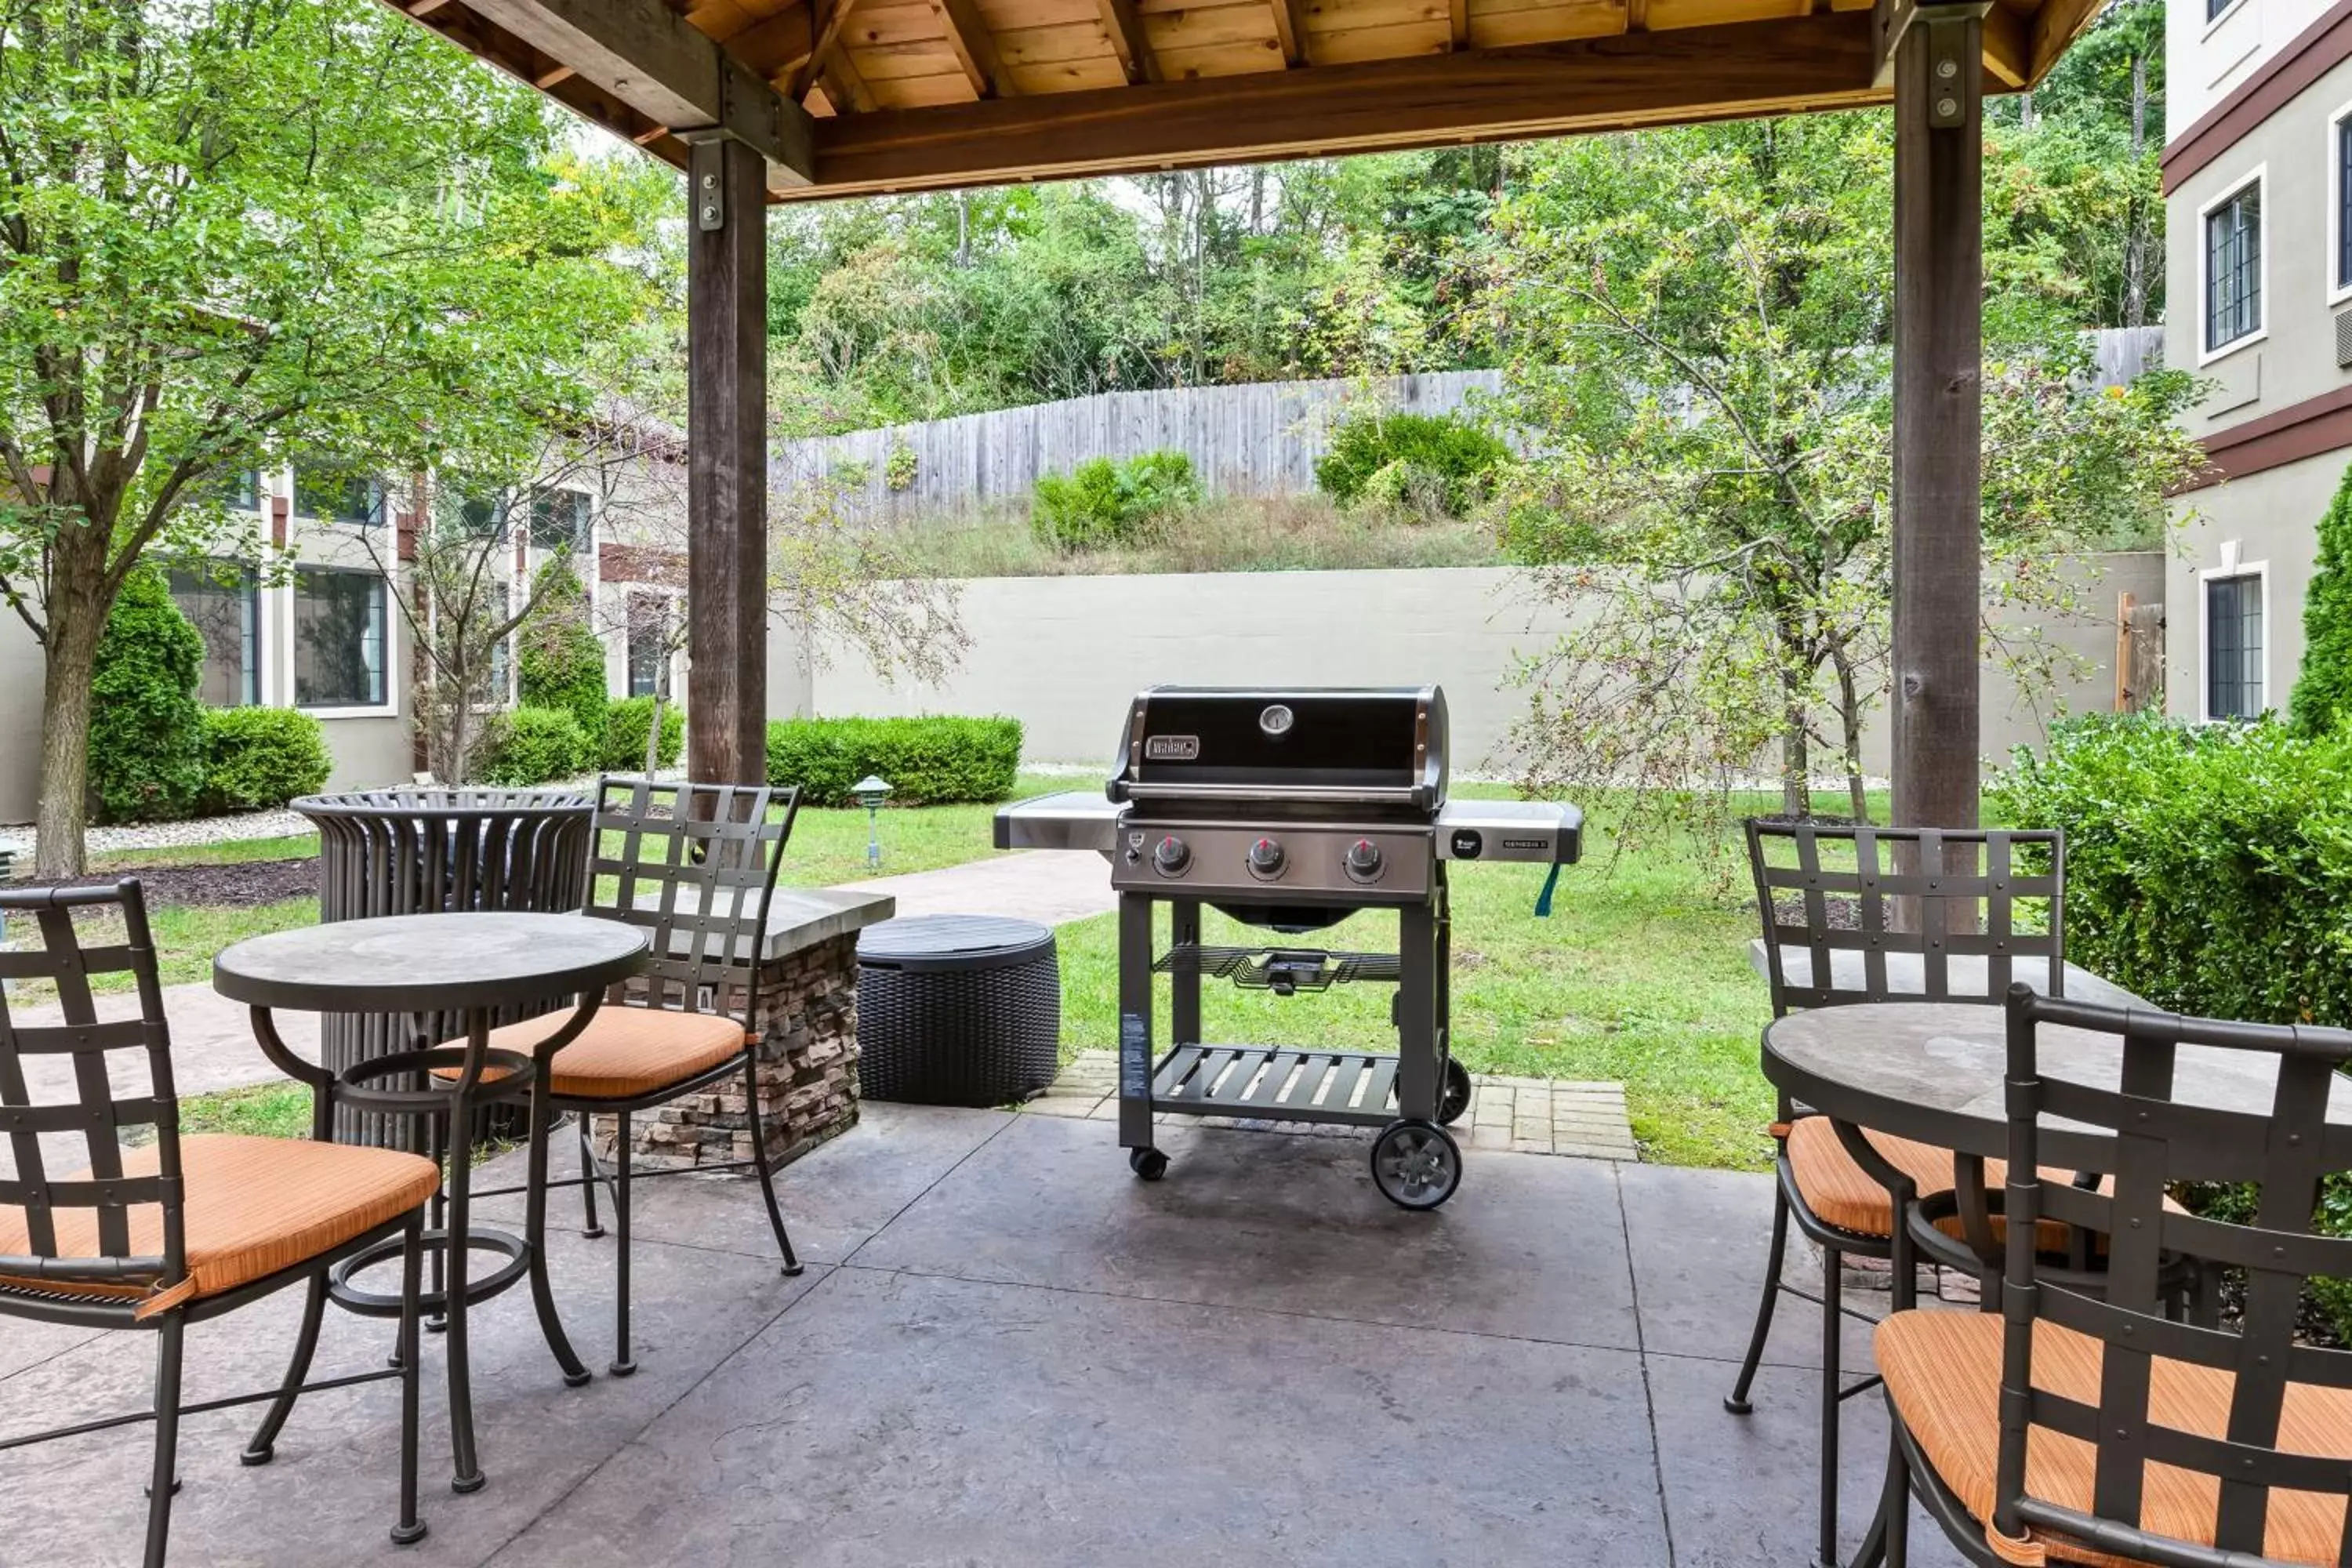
x=239, y=886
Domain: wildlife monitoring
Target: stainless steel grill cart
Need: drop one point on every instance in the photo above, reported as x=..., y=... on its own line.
x=1290, y=811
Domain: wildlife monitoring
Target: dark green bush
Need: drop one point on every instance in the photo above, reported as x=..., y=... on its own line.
x=926, y=762
x=624, y=742
x=2209, y=869
x=531, y=746
x=257, y=759
x=146, y=727
x=1447, y=457
x=1101, y=502
x=2323, y=692
x=561, y=662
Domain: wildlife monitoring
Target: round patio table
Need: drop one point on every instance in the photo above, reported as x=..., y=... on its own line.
x=422, y=965
x=1933, y=1071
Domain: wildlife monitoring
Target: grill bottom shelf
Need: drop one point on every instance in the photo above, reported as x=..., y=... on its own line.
x=1277, y=1083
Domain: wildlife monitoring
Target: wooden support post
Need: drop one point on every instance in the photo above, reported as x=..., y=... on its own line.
x=1939, y=415
x=726, y=462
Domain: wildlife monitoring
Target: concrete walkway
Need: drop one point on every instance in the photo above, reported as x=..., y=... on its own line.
x=1048, y=886
x=1008, y=1351
x=212, y=1044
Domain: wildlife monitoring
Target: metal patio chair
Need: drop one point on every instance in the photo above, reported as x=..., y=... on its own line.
x=2076, y=1429
x=696, y=868
x=179, y=1230
x=1967, y=888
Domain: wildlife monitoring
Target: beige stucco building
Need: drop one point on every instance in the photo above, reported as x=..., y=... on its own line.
x=2258, y=194
x=320, y=630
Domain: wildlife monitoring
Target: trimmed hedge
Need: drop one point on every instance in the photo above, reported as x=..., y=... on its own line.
x=2209, y=869
x=926, y=762
x=561, y=662
x=146, y=727
x=2323, y=691
x=257, y=759
x=532, y=745
x=623, y=749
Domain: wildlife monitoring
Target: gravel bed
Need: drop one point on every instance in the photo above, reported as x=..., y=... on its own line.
x=19, y=838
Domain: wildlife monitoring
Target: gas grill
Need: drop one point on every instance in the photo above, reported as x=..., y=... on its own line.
x=1290, y=811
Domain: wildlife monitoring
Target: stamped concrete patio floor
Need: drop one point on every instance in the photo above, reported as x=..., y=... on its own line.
x=1007, y=1350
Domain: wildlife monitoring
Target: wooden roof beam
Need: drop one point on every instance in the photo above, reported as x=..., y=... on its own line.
x=649, y=59
x=1458, y=19
x=974, y=47
x=1124, y=23
x=1290, y=28
x=1620, y=82
x=824, y=44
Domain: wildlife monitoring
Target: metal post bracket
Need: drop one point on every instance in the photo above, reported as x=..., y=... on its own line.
x=1892, y=19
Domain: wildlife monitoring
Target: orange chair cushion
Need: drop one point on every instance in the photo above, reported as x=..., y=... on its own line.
x=1943, y=1373
x=625, y=1052
x=1849, y=1197
x=253, y=1205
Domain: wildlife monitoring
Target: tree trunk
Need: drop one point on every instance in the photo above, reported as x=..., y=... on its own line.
x=1850, y=730
x=653, y=739
x=2135, y=234
x=76, y=620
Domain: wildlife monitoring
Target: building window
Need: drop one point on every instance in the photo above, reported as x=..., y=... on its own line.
x=2344, y=201
x=2233, y=267
x=2234, y=647
x=243, y=492
x=336, y=494
x=2214, y=8
x=648, y=643
x=561, y=520
x=339, y=639
x=224, y=604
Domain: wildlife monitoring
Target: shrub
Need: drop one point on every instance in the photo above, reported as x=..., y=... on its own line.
x=1101, y=503
x=2208, y=869
x=561, y=662
x=926, y=762
x=623, y=740
x=2323, y=692
x=901, y=467
x=257, y=759
x=1457, y=455
x=146, y=727
x=531, y=746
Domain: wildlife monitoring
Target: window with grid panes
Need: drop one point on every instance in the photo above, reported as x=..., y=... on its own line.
x=2234, y=647
x=2233, y=269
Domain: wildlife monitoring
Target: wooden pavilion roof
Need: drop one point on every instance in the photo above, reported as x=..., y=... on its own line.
x=855, y=97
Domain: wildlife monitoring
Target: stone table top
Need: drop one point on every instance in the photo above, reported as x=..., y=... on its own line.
x=430, y=963
x=798, y=917
x=1934, y=1070
x=1906, y=973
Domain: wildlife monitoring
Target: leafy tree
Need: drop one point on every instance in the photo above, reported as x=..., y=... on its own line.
x=239, y=231
x=2322, y=701
x=1694, y=326
x=561, y=662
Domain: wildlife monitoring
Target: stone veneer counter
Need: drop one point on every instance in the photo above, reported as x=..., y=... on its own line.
x=807, y=989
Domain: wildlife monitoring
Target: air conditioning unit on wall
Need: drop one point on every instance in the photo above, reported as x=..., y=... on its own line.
x=2344, y=340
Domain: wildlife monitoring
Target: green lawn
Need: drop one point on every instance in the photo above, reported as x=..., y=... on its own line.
x=828, y=845
x=295, y=846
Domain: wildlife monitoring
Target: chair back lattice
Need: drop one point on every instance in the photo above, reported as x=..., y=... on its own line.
x=67, y=957
x=694, y=866
x=2217, y=1412
x=1990, y=909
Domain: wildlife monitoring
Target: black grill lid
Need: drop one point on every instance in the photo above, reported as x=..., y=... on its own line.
x=1369, y=745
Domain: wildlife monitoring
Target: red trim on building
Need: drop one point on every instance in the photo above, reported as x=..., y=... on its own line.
x=279, y=509
x=2319, y=49
x=2311, y=428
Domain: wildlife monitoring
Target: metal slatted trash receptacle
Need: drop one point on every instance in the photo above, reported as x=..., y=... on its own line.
x=426, y=851
x=957, y=1010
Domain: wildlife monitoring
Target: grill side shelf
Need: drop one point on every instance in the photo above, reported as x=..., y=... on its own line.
x=1277, y=1083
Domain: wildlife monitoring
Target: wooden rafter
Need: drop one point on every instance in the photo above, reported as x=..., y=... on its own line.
x=1290, y=28
x=2008, y=46
x=548, y=78
x=833, y=16
x=1458, y=19
x=1627, y=80
x=974, y=47
x=650, y=58
x=777, y=45
x=1128, y=40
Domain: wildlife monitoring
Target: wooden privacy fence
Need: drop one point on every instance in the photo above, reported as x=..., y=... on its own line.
x=1250, y=439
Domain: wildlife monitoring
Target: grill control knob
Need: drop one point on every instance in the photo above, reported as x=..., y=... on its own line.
x=1363, y=860
x=1170, y=856
x=1266, y=857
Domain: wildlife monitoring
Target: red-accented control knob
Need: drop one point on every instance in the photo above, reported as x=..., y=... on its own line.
x=1171, y=855
x=1266, y=857
x=1363, y=860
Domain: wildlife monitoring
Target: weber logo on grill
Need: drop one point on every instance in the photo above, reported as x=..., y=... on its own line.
x=1172, y=748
